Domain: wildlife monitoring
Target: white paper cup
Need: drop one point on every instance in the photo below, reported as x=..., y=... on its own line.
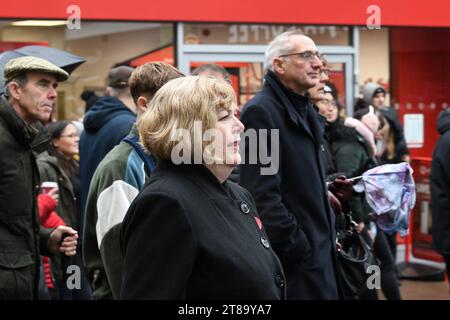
x=46, y=186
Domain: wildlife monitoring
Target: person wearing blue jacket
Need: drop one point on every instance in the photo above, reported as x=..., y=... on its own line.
x=108, y=121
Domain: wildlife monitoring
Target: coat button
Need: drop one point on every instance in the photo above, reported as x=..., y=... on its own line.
x=36, y=187
x=279, y=281
x=244, y=208
x=265, y=243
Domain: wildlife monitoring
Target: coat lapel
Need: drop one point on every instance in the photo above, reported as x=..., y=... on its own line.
x=293, y=115
x=317, y=125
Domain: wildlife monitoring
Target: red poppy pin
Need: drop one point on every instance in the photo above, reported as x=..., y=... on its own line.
x=258, y=222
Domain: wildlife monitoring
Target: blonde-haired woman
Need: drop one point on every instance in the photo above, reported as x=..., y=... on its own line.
x=191, y=233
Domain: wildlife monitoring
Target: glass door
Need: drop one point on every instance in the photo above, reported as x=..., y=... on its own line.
x=244, y=59
x=342, y=76
x=246, y=71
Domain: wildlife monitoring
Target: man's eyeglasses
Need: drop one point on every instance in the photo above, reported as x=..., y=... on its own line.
x=71, y=136
x=305, y=55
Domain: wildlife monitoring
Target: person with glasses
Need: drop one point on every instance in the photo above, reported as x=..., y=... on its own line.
x=340, y=188
x=57, y=164
x=293, y=201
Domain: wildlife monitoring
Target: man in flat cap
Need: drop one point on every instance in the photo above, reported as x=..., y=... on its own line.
x=108, y=121
x=30, y=94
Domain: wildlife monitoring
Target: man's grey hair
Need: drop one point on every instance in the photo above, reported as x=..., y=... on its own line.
x=278, y=46
x=212, y=67
x=21, y=79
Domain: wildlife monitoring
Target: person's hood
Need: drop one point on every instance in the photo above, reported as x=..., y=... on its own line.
x=443, y=123
x=365, y=132
x=47, y=158
x=369, y=90
x=41, y=139
x=102, y=111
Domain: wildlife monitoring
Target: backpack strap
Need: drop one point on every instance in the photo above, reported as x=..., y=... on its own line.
x=149, y=161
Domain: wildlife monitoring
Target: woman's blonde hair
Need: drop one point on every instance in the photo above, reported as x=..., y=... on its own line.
x=180, y=104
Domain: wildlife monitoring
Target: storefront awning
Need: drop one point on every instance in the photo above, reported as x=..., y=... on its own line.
x=432, y=13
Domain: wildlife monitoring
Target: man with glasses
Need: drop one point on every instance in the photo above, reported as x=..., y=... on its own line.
x=293, y=202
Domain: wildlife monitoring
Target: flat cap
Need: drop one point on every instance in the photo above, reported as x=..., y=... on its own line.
x=28, y=63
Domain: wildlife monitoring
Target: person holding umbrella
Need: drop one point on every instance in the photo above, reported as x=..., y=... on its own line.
x=29, y=98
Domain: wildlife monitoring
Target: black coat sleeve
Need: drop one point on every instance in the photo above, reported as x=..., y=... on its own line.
x=159, y=248
x=282, y=227
x=44, y=237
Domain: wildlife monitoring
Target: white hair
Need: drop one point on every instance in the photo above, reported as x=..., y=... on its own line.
x=278, y=46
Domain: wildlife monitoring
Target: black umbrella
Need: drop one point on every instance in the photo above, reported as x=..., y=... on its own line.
x=60, y=58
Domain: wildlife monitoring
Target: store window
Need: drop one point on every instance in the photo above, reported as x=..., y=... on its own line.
x=103, y=44
x=262, y=34
x=245, y=77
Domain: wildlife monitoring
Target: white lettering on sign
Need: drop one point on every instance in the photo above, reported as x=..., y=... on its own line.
x=241, y=33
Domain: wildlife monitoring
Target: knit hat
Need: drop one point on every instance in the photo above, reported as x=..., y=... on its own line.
x=370, y=90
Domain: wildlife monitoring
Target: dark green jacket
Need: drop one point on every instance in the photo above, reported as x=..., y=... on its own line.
x=351, y=158
x=20, y=232
x=51, y=170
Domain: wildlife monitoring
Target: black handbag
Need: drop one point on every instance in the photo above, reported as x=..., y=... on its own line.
x=354, y=257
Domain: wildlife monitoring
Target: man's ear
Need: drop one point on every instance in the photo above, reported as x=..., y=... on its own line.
x=14, y=90
x=142, y=103
x=278, y=65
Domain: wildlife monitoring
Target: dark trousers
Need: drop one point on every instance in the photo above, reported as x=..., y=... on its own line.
x=85, y=291
x=392, y=240
x=389, y=283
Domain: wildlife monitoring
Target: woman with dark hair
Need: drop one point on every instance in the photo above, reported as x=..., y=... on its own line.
x=57, y=164
x=353, y=148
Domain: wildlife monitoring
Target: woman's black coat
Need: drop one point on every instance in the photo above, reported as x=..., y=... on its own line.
x=293, y=202
x=187, y=236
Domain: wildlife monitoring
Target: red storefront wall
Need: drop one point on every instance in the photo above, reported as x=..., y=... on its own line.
x=330, y=12
x=420, y=77
x=420, y=84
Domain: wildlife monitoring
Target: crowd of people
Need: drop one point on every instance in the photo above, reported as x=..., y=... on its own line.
x=153, y=199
